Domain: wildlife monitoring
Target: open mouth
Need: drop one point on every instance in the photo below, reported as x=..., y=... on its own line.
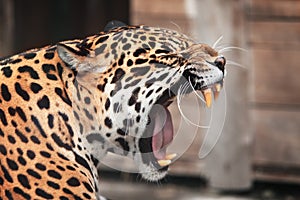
x=160, y=133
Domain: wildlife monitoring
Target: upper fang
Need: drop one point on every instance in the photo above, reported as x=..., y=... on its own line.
x=207, y=93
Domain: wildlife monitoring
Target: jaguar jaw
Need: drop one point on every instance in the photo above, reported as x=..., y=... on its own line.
x=160, y=133
x=208, y=93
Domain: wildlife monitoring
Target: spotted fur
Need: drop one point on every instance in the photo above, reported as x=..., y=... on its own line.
x=62, y=107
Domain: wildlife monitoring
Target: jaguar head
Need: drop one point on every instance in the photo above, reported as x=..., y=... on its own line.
x=196, y=68
x=134, y=74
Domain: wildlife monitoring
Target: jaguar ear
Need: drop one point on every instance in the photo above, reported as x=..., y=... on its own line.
x=113, y=24
x=76, y=58
x=80, y=59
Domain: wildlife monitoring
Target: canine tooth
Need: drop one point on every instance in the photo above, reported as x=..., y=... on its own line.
x=218, y=87
x=164, y=163
x=171, y=156
x=216, y=90
x=207, y=96
x=216, y=94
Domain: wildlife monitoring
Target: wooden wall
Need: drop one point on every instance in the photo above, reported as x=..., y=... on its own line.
x=224, y=167
x=272, y=36
x=274, y=39
x=166, y=13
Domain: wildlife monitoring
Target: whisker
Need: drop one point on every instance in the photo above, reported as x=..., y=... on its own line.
x=169, y=92
x=236, y=64
x=127, y=126
x=185, y=87
x=139, y=178
x=158, y=183
x=218, y=48
x=181, y=112
x=186, y=119
x=217, y=42
x=118, y=108
x=225, y=49
x=196, y=93
x=218, y=134
x=177, y=26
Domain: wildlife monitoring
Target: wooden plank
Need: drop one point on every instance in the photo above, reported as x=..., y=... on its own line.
x=227, y=166
x=281, y=177
x=273, y=8
x=158, y=7
x=276, y=137
x=276, y=76
x=275, y=34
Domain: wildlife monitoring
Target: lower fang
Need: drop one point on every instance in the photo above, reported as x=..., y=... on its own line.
x=164, y=163
x=171, y=156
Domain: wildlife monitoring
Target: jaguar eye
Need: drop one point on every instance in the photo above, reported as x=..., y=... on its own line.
x=220, y=63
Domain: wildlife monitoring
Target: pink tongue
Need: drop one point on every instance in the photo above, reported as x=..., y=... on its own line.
x=162, y=134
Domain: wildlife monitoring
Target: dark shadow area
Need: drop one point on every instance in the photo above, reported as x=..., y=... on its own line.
x=38, y=23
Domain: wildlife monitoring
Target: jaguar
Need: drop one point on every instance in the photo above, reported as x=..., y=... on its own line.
x=63, y=107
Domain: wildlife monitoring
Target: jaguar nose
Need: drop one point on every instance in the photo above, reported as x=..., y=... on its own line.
x=220, y=63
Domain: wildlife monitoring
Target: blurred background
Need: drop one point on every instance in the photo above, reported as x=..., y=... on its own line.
x=256, y=154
